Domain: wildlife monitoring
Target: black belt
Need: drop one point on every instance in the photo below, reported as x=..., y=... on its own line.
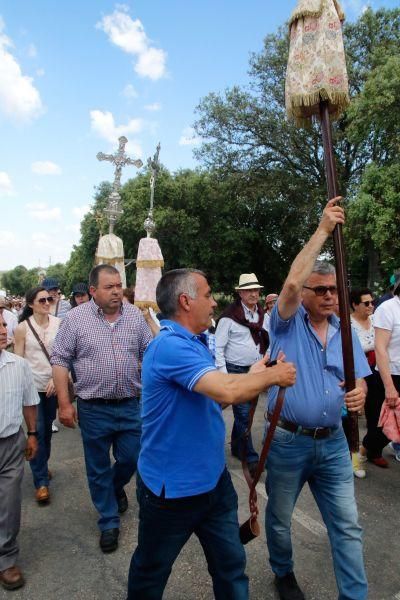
x=318, y=433
x=105, y=400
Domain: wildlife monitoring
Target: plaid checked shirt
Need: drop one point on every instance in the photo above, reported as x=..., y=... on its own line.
x=105, y=356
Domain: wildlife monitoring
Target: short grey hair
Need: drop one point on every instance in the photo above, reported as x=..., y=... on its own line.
x=171, y=285
x=322, y=267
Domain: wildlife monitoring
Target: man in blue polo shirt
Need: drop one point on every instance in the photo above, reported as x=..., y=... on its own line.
x=183, y=484
x=309, y=444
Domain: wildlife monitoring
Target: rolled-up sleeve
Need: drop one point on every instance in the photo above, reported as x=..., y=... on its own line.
x=64, y=347
x=221, y=341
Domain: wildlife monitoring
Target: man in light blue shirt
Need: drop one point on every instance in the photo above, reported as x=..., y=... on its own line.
x=183, y=484
x=309, y=443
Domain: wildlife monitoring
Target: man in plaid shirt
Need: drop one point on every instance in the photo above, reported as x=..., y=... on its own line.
x=104, y=340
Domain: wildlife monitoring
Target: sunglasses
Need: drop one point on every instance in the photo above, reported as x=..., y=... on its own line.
x=368, y=302
x=321, y=290
x=49, y=299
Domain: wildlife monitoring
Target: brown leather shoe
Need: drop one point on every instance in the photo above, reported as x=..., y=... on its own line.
x=43, y=495
x=11, y=578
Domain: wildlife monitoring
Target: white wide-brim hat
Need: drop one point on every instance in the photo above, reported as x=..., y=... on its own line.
x=248, y=281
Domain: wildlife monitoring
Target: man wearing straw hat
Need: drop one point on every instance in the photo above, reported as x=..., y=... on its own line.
x=240, y=341
x=309, y=445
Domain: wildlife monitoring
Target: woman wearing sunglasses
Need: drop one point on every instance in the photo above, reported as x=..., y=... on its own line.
x=361, y=302
x=34, y=339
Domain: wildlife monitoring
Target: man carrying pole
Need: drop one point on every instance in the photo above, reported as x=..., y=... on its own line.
x=309, y=445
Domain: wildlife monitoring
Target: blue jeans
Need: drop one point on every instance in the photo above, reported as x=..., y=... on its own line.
x=46, y=413
x=165, y=525
x=106, y=426
x=325, y=465
x=239, y=445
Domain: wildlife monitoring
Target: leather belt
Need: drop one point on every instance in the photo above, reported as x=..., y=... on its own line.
x=318, y=433
x=105, y=400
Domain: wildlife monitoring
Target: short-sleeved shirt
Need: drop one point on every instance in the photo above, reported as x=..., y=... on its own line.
x=387, y=316
x=316, y=399
x=183, y=432
x=16, y=391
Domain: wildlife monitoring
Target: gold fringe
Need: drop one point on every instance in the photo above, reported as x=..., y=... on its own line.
x=302, y=107
x=149, y=264
x=103, y=260
x=315, y=14
x=146, y=304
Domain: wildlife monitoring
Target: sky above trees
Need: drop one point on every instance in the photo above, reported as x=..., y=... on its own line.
x=75, y=75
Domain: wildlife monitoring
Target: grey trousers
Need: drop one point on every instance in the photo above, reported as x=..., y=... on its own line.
x=11, y=472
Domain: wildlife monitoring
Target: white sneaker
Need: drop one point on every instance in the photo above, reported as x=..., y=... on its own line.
x=54, y=427
x=360, y=473
x=396, y=453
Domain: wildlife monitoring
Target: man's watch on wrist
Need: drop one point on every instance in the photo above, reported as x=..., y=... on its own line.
x=34, y=433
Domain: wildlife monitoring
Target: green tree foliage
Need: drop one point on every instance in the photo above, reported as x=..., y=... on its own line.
x=18, y=280
x=58, y=271
x=279, y=168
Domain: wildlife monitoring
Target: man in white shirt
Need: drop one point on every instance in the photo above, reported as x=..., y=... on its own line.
x=240, y=341
x=18, y=399
x=10, y=319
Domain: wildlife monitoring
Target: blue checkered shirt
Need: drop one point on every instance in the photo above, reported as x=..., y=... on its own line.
x=105, y=356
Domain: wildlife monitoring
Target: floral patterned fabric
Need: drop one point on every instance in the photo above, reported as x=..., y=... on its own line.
x=110, y=251
x=149, y=262
x=317, y=66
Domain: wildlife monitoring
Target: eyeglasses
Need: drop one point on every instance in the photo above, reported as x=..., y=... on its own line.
x=321, y=290
x=368, y=302
x=49, y=299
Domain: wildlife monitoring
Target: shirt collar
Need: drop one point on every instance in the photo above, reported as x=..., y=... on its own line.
x=99, y=311
x=249, y=312
x=332, y=319
x=6, y=357
x=167, y=324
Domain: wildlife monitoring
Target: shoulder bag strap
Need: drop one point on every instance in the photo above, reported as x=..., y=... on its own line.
x=43, y=347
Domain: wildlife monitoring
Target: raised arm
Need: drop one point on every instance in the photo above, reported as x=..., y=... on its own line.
x=290, y=296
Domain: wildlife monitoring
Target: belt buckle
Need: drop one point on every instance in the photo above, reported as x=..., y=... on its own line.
x=316, y=432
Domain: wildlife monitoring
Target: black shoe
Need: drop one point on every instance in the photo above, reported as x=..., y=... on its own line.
x=122, y=501
x=288, y=588
x=109, y=540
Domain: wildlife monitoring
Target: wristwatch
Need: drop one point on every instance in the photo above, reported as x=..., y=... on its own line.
x=34, y=433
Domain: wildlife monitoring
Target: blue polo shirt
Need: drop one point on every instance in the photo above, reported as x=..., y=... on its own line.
x=316, y=399
x=183, y=432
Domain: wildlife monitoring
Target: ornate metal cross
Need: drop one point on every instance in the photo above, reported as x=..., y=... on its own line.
x=119, y=159
x=154, y=168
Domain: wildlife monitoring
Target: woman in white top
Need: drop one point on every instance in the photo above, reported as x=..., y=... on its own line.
x=35, y=333
x=387, y=347
x=362, y=322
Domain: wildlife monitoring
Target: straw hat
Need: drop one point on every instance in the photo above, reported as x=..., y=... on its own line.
x=248, y=281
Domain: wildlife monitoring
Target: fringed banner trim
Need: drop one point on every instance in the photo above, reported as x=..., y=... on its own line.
x=313, y=9
x=142, y=304
x=149, y=264
x=103, y=260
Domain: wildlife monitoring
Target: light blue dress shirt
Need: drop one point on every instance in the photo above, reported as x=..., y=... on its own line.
x=316, y=399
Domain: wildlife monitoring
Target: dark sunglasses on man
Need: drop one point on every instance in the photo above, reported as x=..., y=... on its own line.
x=367, y=302
x=49, y=299
x=321, y=290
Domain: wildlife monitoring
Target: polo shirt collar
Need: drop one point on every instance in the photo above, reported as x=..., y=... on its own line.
x=177, y=328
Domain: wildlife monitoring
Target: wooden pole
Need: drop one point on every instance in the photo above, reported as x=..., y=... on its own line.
x=341, y=273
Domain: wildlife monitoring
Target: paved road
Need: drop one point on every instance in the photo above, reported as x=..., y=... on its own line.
x=61, y=558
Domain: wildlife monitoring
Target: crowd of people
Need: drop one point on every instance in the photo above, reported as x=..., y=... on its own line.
x=151, y=391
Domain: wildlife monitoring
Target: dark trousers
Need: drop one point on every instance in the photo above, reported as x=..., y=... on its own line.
x=105, y=427
x=239, y=445
x=165, y=525
x=11, y=472
x=46, y=414
x=375, y=440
